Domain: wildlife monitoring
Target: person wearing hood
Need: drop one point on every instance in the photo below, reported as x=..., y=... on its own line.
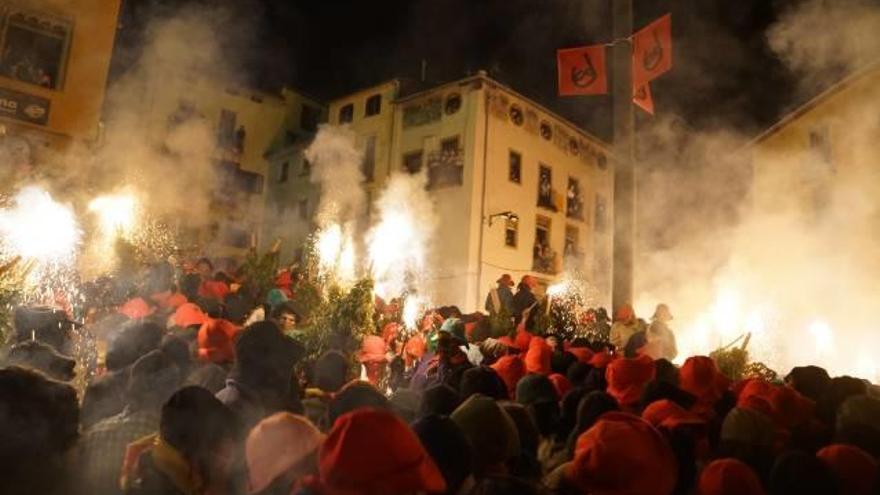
x=153, y=379
x=281, y=451
x=501, y=297
x=450, y=359
x=491, y=432
x=525, y=299
x=261, y=381
x=625, y=326
x=450, y=449
x=374, y=360
x=373, y=452
x=661, y=340
x=193, y=453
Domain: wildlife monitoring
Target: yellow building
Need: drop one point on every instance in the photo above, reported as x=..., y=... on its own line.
x=247, y=127
x=54, y=59
x=829, y=142
x=517, y=189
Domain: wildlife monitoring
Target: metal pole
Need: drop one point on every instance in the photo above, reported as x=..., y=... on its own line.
x=624, y=166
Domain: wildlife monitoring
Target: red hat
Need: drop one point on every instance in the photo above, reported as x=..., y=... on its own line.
x=389, y=332
x=373, y=350
x=729, y=477
x=415, y=348
x=601, y=359
x=538, y=356
x=789, y=407
x=216, y=341
x=174, y=301
x=189, y=314
x=625, y=313
x=700, y=377
x=854, y=468
x=136, y=309
x=667, y=414
x=755, y=395
x=522, y=339
x=529, y=281
x=561, y=384
x=583, y=354
x=627, y=378
x=373, y=452
x=216, y=289
x=623, y=454
x=511, y=369
x=278, y=445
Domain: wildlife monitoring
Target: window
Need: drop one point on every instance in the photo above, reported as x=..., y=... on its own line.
x=601, y=214
x=449, y=146
x=546, y=130
x=511, y=232
x=306, y=169
x=374, y=105
x=516, y=115
x=412, y=162
x=303, y=207
x=309, y=117
x=368, y=167
x=453, y=103
x=285, y=169
x=574, y=204
x=34, y=47
x=571, y=241
x=226, y=129
x=514, y=167
x=346, y=114
x=543, y=256
x=545, y=187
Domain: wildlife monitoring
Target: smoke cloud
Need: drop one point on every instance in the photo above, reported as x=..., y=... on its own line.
x=336, y=162
x=785, y=251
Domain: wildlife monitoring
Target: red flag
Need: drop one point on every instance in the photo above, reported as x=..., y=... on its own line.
x=642, y=97
x=582, y=70
x=652, y=51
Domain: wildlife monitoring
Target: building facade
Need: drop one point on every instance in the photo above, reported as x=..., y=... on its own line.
x=54, y=60
x=516, y=188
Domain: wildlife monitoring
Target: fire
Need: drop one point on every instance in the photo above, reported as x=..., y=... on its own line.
x=39, y=228
x=336, y=253
x=394, y=251
x=116, y=213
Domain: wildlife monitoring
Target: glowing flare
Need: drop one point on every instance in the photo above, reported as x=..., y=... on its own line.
x=394, y=252
x=413, y=307
x=116, y=213
x=823, y=336
x=557, y=289
x=329, y=246
x=39, y=228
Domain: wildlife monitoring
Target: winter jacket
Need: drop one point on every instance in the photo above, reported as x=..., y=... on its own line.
x=661, y=341
x=505, y=297
x=621, y=332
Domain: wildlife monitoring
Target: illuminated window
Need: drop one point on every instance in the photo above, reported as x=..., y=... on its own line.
x=34, y=47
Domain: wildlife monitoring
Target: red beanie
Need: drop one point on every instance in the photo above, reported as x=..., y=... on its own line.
x=214, y=289
x=623, y=454
x=754, y=394
x=627, y=378
x=373, y=349
x=667, y=414
x=216, y=341
x=729, y=477
x=538, y=356
x=373, y=452
x=136, y=309
x=189, y=314
x=561, y=384
x=583, y=354
x=601, y=359
x=700, y=377
x=511, y=369
x=789, y=407
x=522, y=339
x=854, y=468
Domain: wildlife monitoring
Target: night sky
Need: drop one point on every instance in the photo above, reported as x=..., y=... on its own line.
x=723, y=73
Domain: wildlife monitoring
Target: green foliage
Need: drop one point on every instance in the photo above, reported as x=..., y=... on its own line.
x=259, y=272
x=338, y=318
x=731, y=362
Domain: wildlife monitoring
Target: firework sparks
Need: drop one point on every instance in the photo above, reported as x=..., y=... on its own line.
x=413, y=307
x=39, y=228
x=823, y=336
x=393, y=251
x=117, y=214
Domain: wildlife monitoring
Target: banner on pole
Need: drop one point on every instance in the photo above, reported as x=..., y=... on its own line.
x=582, y=71
x=643, y=99
x=652, y=51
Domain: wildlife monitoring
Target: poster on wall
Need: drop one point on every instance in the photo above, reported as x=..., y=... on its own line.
x=24, y=107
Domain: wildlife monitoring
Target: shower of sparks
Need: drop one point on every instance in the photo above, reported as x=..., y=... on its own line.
x=39, y=228
x=393, y=248
x=336, y=254
x=413, y=307
x=117, y=214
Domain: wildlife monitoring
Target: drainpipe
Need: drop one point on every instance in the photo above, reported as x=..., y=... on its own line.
x=483, y=194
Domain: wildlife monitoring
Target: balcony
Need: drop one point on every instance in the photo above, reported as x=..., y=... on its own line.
x=545, y=260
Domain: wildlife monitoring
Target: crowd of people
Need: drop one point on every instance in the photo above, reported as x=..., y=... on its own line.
x=194, y=389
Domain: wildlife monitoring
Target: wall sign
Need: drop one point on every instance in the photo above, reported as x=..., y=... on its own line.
x=24, y=107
